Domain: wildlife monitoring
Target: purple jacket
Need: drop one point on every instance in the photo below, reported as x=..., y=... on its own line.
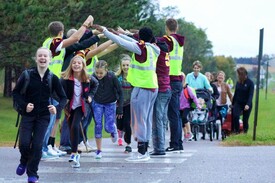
x=184, y=103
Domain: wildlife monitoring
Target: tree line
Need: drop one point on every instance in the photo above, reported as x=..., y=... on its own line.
x=24, y=28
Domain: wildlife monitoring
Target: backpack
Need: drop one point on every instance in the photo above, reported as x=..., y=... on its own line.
x=26, y=75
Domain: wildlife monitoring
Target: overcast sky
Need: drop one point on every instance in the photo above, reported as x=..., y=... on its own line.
x=233, y=26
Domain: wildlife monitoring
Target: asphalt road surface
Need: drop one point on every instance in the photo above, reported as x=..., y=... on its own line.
x=202, y=162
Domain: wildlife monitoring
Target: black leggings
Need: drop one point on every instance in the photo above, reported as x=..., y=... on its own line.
x=124, y=124
x=74, y=126
x=237, y=109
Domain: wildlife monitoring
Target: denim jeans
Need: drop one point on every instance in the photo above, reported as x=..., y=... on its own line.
x=49, y=129
x=160, y=120
x=65, y=134
x=174, y=116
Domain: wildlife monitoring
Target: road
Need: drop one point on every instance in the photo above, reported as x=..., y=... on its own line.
x=202, y=162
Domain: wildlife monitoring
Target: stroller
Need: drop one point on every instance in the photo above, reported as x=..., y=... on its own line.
x=203, y=120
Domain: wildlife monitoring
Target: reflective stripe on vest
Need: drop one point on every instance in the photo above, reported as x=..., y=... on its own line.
x=144, y=75
x=176, y=56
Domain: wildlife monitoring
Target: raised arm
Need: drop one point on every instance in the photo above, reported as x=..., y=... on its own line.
x=128, y=45
x=79, y=33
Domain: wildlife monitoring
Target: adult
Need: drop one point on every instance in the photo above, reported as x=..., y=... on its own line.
x=242, y=100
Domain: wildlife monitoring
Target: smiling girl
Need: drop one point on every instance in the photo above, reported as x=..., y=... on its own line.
x=79, y=88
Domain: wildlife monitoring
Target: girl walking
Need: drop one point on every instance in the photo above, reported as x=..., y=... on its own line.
x=80, y=89
x=124, y=122
x=104, y=104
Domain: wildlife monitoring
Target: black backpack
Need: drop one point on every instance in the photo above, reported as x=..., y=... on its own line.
x=26, y=75
x=20, y=111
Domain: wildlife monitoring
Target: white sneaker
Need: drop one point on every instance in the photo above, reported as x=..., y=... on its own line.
x=98, y=154
x=81, y=147
x=46, y=156
x=90, y=146
x=201, y=117
x=51, y=151
x=139, y=157
x=61, y=153
x=74, y=160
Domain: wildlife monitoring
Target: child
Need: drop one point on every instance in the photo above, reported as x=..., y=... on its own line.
x=124, y=123
x=36, y=115
x=109, y=92
x=80, y=88
x=188, y=96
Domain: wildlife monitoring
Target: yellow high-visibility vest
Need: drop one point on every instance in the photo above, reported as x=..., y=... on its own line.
x=56, y=64
x=144, y=75
x=176, y=56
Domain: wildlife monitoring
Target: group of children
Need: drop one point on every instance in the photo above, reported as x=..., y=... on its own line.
x=137, y=100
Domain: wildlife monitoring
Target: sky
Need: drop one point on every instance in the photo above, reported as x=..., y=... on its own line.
x=233, y=26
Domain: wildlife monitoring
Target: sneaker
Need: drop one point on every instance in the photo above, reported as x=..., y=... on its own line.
x=51, y=151
x=201, y=117
x=67, y=149
x=154, y=153
x=195, y=117
x=139, y=157
x=74, y=160
x=128, y=149
x=21, y=169
x=32, y=179
x=120, y=142
x=90, y=146
x=46, y=156
x=61, y=153
x=82, y=148
x=114, y=137
x=172, y=149
x=98, y=154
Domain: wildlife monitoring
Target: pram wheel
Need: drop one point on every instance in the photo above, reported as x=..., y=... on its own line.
x=211, y=131
x=196, y=132
x=217, y=131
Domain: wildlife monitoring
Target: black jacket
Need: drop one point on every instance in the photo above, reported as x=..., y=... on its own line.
x=38, y=93
x=109, y=90
x=243, y=94
x=88, y=89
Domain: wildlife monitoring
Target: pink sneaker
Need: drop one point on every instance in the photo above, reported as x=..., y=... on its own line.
x=120, y=142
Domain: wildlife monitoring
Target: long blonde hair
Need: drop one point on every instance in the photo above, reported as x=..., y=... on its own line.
x=69, y=71
x=123, y=57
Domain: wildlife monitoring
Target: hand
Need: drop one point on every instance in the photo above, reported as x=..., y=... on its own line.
x=101, y=36
x=29, y=107
x=89, y=100
x=52, y=109
x=98, y=27
x=96, y=32
x=246, y=107
x=120, y=30
x=119, y=116
x=90, y=20
x=113, y=31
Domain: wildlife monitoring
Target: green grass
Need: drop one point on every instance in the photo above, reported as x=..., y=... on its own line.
x=265, y=133
x=8, y=118
x=265, y=130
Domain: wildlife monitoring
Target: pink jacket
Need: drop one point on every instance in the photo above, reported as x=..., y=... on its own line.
x=184, y=103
